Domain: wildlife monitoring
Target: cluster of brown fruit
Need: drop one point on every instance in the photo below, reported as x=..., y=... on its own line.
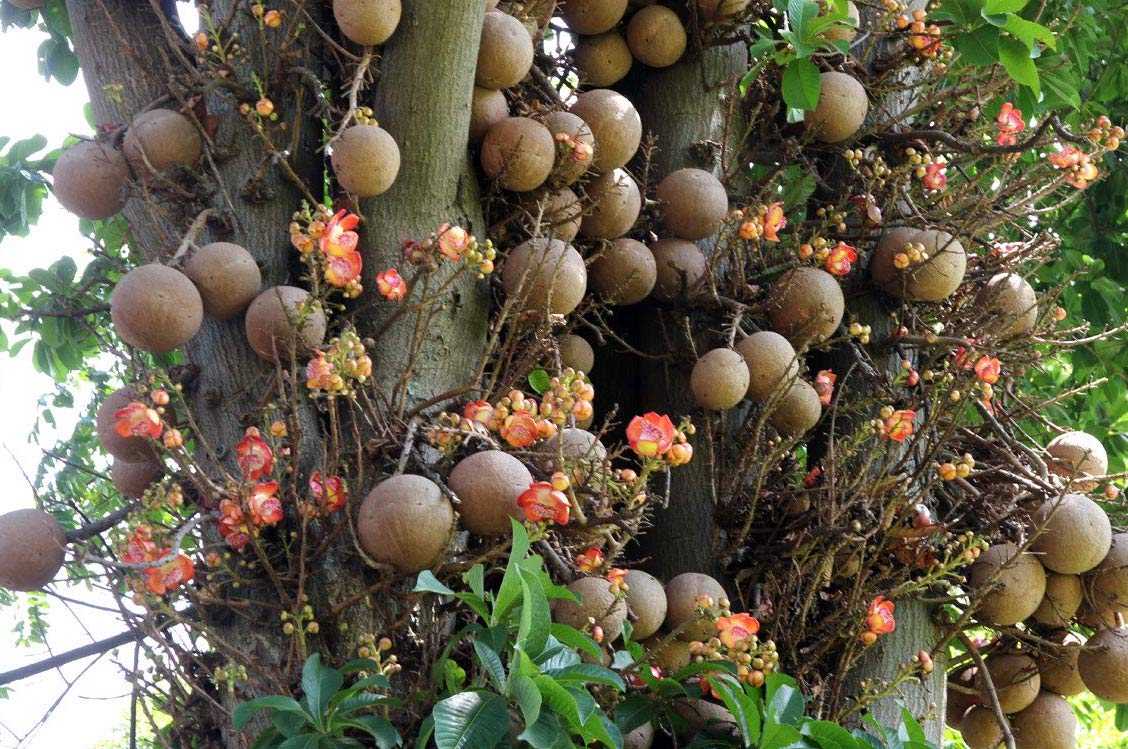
x=607, y=43
x=1074, y=572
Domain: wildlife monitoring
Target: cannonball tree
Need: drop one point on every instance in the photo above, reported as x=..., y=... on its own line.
x=578, y=373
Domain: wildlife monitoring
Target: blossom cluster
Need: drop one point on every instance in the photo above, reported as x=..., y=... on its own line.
x=162, y=578
x=332, y=372
x=879, y=620
x=736, y=640
x=328, y=244
x=456, y=245
x=652, y=436
x=761, y=221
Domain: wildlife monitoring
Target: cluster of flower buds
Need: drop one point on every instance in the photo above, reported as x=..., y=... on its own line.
x=879, y=620
x=761, y=221
x=269, y=18
x=894, y=424
x=1103, y=129
x=924, y=37
x=1078, y=166
x=517, y=418
x=737, y=641
x=868, y=162
x=379, y=651
x=861, y=332
x=229, y=674
x=141, y=419
x=653, y=436
x=574, y=148
x=365, y=116
x=959, y=468
x=456, y=245
x=908, y=375
x=303, y=620
x=338, y=262
x=333, y=372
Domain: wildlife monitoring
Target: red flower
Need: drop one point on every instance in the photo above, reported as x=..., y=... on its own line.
x=988, y=369
x=880, y=619
x=812, y=476
x=650, y=435
x=266, y=508
x=319, y=373
x=774, y=220
x=479, y=412
x=1010, y=123
x=934, y=176
x=339, y=239
x=331, y=493
x=139, y=548
x=590, y=560
x=342, y=269
x=1068, y=157
x=233, y=524
x=138, y=420
x=899, y=426
x=391, y=284
x=737, y=629
x=160, y=580
x=824, y=385
x=254, y=455
x=841, y=259
x=617, y=577
x=453, y=241
x=519, y=429
x=543, y=504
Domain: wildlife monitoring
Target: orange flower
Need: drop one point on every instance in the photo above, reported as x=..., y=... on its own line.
x=254, y=456
x=880, y=619
x=233, y=524
x=934, y=176
x=453, y=241
x=479, y=412
x=1010, y=123
x=988, y=369
x=391, y=284
x=680, y=453
x=139, y=548
x=543, y=504
x=266, y=508
x=735, y=630
x=138, y=420
x=590, y=560
x=824, y=385
x=650, y=435
x=841, y=259
x=173, y=439
x=330, y=493
x=1068, y=157
x=899, y=426
x=617, y=577
x=519, y=429
x=159, y=397
x=339, y=238
x=319, y=373
x=170, y=575
x=342, y=269
x=774, y=220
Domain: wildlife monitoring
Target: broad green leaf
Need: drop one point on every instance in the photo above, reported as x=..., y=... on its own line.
x=634, y=711
x=742, y=707
x=319, y=683
x=509, y=593
x=475, y=577
x=909, y=729
x=470, y=720
x=539, y=381
x=536, y=620
x=301, y=742
x=527, y=696
x=801, y=84
x=1029, y=32
x=1060, y=90
x=545, y=733
x=1003, y=6
x=428, y=583
x=379, y=728
x=779, y=736
x=1122, y=718
x=965, y=13
x=979, y=47
x=829, y=735
x=584, y=673
x=426, y=728
x=603, y=730
x=491, y=663
x=244, y=711
x=576, y=639
x=1016, y=59
x=559, y=699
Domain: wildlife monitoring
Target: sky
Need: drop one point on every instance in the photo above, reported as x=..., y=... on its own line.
x=98, y=704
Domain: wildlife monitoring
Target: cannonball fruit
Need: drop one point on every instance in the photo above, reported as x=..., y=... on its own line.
x=614, y=122
x=159, y=139
x=771, y=361
x=576, y=352
x=980, y=728
x=132, y=479
x=560, y=213
x=797, y=410
x=597, y=602
x=640, y=738
x=670, y=657
x=682, y=593
x=624, y=272
x=282, y=318
x=582, y=452
x=156, y=308
x=226, y=276
x=1077, y=455
x=1076, y=534
x=1103, y=664
x=1048, y=723
x=592, y=16
x=846, y=30
x=405, y=521
x=488, y=484
x=695, y=202
x=656, y=36
x=717, y=10
x=616, y=203
x=1059, y=668
x=132, y=449
x=646, y=601
x=506, y=52
x=1063, y=597
x=882, y=270
x=603, y=59
x=90, y=178
x=707, y=717
x=806, y=305
x=32, y=548
x=567, y=169
x=366, y=160
x=958, y=701
x=680, y=268
x=1016, y=680
x=1017, y=589
x=938, y=276
x=1110, y=580
x=719, y=379
x=487, y=108
x=367, y=21
x=548, y=274
x=841, y=110
x=518, y=153
x=1010, y=304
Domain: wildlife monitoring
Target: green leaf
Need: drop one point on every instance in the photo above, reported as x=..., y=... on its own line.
x=454, y=676
x=319, y=683
x=828, y=735
x=539, y=381
x=527, y=696
x=743, y=709
x=965, y=13
x=586, y=673
x=1122, y=718
x=601, y=728
x=378, y=728
x=22, y=149
x=428, y=583
x=426, y=728
x=1003, y=6
x=1029, y=32
x=1060, y=90
x=634, y=711
x=536, y=620
x=779, y=736
x=475, y=577
x=509, y=592
x=979, y=47
x=491, y=662
x=301, y=742
x=801, y=84
x=559, y=699
x=470, y=720
x=910, y=730
x=243, y=712
x=1016, y=59
x=545, y=733
x=576, y=639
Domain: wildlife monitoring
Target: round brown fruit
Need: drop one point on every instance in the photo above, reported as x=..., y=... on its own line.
x=226, y=276
x=845, y=31
x=716, y=10
x=980, y=728
x=797, y=410
x=1077, y=455
x=656, y=36
x=680, y=268
x=405, y=521
x=283, y=316
x=669, y=658
x=806, y=305
x=577, y=353
x=1016, y=680
x=882, y=270
x=602, y=60
x=1103, y=664
x=1018, y=587
x=695, y=202
x=640, y=738
x=597, y=602
x=646, y=599
x=487, y=108
x=132, y=479
x=682, y=593
x=624, y=272
x=160, y=138
x=518, y=153
x=592, y=16
x=772, y=363
x=582, y=451
x=367, y=22
x=1059, y=668
x=366, y=160
x=936, y=278
x=1010, y=305
x=566, y=170
x=1063, y=597
x=132, y=449
x=559, y=211
x=1076, y=534
x=32, y=548
x=156, y=308
x=90, y=178
x=614, y=123
x=488, y=484
x=706, y=716
x=959, y=702
x=506, y=51
x=1049, y=723
x=841, y=110
x=616, y=203
x=548, y=274
x=1109, y=581
x=719, y=379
